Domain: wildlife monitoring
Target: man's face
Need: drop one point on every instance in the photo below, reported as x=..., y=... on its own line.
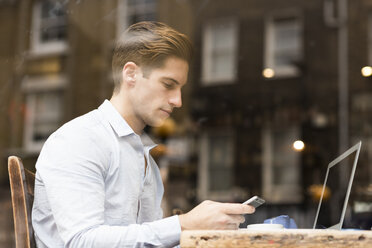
x=154, y=97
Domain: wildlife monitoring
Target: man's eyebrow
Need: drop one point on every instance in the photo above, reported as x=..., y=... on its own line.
x=171, y=79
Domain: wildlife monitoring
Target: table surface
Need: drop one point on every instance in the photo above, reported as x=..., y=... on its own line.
x=276, y=238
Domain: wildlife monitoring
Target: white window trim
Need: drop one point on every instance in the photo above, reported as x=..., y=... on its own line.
x=33, y=85
x=283, y=71
x=207, y=78
x=38, y=47
x=203, y=191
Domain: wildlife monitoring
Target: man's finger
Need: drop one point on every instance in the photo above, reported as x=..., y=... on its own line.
x=237, y=218
x=237, y=208
x=232, y=226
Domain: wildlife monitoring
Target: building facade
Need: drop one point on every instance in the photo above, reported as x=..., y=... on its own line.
x=56, y=62
x=267, y=74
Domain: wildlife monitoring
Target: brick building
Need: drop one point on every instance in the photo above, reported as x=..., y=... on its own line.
x=267, y=74
x=56, y=62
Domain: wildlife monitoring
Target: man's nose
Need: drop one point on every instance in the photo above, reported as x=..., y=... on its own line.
x=176, y=99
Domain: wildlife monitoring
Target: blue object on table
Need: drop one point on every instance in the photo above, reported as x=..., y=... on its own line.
x=287, y=222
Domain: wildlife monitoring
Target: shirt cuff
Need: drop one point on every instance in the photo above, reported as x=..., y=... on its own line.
x=170, y=230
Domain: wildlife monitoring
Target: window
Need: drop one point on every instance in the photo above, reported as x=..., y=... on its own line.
x=216, y=160
x=369, y=33
x=44, y=101
x=283, y=46
x=132, y=11
x=49, y=27
x=281, y=166
x=219, y=58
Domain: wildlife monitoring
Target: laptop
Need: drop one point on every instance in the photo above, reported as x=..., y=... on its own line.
x=336, y=190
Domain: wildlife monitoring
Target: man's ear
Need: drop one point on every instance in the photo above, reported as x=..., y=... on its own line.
x=129, y=73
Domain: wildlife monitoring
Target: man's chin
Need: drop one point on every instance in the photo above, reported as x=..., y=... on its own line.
x=156, y=123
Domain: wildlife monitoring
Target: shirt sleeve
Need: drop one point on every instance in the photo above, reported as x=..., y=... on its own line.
x=72, y=170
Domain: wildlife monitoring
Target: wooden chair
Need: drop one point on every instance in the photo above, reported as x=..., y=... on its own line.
x=22, y=183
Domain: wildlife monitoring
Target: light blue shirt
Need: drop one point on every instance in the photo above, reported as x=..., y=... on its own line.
x=91, y=188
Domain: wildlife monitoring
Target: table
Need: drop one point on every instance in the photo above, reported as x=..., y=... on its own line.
x=276, y=238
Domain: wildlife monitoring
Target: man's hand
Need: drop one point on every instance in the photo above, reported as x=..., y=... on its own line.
x=215, y=215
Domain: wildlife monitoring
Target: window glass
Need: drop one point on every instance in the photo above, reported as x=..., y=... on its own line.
x=47, y=117
x=141, y=10
x=132, y=11
x=369, y=38
x=286, y=42
x=281, y=172
x=53, y=21
x=49, y=24
x=219, y=52
x=283, y=46
x=220, y=163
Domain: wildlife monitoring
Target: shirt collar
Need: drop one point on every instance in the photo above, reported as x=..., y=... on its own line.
x=120, y=126
x=147, y=141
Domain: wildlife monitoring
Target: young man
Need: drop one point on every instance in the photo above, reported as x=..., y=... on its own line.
x=96, y=184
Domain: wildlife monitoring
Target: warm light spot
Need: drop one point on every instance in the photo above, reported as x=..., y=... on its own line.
x=268, y=73
x=298, y=145
x=367, y=71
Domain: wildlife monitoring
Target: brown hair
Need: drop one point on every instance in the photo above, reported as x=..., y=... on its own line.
x=148, y=44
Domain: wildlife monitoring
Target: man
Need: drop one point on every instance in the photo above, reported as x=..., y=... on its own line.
x=96, y=184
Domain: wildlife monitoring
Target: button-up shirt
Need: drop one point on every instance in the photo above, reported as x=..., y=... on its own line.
x=93, y=188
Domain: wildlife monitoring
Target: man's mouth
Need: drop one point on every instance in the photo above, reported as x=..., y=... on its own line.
x=167, y=111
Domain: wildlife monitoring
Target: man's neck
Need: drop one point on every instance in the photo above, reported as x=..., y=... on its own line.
x=125, y=111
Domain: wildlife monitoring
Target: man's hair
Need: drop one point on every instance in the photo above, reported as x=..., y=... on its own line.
x=148, y=44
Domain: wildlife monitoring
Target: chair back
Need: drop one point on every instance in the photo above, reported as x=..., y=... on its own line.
x=22, y=183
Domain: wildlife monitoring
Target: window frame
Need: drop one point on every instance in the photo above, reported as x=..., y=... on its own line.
x=273, y=192
x=269, y=44
x=125, y=11
x=207, y=77
x=37, y=46
x=30, y=87
x=369, y=38
x=204, y=192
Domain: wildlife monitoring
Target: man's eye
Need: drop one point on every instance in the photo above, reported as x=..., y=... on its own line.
x=168, y=86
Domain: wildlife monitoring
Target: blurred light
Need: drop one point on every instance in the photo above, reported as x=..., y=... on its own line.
x=166, y=129
x=268, y=73
x=367, y=71
x=298, y=145
x=319, y=119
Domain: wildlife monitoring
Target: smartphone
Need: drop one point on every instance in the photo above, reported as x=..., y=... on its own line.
x=255, y=201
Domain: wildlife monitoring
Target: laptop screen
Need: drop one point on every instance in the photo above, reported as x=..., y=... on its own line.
x=336, y=190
